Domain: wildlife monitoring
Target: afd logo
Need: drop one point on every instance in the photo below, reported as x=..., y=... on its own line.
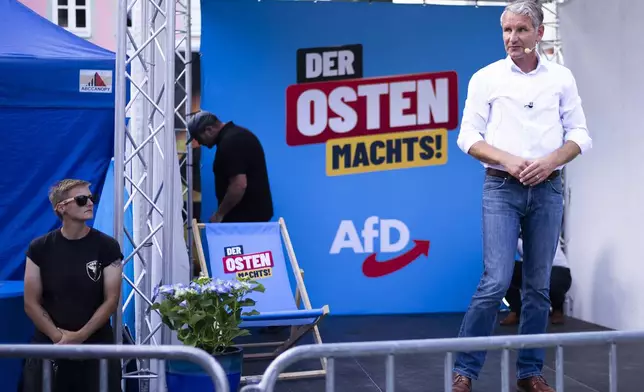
x=347, y=237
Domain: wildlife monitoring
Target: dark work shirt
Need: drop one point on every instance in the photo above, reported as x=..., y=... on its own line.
x=240, y=152
x=71, y=272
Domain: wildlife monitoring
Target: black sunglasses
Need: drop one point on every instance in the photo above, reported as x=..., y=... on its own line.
x=81, y=200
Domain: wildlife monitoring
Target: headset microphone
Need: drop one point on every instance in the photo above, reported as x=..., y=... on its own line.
x=530, y=50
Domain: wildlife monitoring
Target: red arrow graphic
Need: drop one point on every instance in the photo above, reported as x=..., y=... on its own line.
x=372, y=268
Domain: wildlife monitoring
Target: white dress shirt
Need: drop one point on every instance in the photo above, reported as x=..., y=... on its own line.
x=528, y=115
x=560, y=259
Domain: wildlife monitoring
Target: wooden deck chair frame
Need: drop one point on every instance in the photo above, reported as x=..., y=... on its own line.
x=301, y=295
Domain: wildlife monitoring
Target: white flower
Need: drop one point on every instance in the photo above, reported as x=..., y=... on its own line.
x=179, y=293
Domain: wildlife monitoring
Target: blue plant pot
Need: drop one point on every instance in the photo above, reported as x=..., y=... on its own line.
x=182, y=376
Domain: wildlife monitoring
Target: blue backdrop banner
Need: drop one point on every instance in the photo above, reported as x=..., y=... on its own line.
x=358, y=106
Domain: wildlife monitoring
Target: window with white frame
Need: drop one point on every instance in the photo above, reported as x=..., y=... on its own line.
x=73, y=15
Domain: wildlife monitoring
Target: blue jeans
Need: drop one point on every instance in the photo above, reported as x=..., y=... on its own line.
x=538, y=211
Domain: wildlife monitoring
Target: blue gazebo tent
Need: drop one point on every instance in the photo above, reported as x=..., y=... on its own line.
x=56, y=121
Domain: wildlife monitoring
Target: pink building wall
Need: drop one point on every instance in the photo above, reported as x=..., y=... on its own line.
x=103, y=28
x=39, y=6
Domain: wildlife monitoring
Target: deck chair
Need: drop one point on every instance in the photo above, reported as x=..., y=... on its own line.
x=278, y=306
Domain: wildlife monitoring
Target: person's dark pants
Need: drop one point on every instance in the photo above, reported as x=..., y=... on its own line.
x=560, y=282
x=70, y=376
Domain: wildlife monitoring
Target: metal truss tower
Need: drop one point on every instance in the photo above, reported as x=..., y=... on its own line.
x=150, y=48
x=551, y=47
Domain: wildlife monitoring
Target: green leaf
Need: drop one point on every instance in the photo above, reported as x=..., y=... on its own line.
x=247, y=302
x=196, y=317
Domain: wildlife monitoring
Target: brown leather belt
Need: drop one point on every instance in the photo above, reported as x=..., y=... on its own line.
x=504, y=174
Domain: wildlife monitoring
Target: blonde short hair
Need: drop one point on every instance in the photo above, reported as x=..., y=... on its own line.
x=60, y=190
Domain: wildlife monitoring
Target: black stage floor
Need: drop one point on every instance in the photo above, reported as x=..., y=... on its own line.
x=585, y=368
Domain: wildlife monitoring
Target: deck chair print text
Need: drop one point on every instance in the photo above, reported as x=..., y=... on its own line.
x=247, y=266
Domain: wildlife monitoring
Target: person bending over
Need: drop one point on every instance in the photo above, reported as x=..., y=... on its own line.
x=241, y=178
x=72, y=287
x=560, y=282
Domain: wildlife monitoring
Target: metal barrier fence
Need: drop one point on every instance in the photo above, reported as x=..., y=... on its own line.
x=105, y=352
x=449, y=346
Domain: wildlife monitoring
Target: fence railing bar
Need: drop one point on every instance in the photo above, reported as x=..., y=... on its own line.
x=448, y=373
x=330, y=375
x=161, y=366
x=559, y=369
x=46, y=375
x=505, y=370
x=103, y=380
x=110, y=351
x=390, y=374
x=612, y=368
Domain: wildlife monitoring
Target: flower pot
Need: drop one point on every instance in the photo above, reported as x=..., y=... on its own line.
x=183, y=376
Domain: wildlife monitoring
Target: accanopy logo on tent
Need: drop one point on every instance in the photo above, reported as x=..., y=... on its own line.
x=95, y=81
x=347, y=237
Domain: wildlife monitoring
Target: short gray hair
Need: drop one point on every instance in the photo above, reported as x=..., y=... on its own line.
x=531, y=8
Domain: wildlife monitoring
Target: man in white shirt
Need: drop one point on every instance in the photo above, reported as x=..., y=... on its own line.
x=524, y=121
x=560, y=282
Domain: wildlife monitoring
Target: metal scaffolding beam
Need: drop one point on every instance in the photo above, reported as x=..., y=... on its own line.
x=552, y=49
x=149, y=46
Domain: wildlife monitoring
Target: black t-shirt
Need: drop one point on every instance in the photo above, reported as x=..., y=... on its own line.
x=71, y=272
x=240, y=152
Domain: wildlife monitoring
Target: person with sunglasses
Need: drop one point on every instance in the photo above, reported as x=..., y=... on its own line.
x=72, y=287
